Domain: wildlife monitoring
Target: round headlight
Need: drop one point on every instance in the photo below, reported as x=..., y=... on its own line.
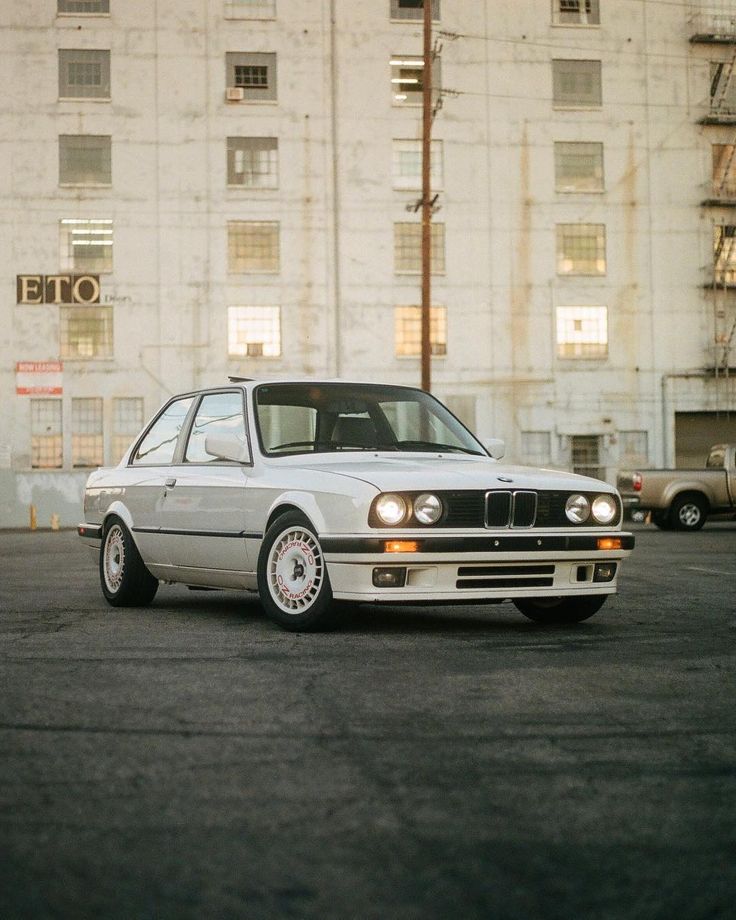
x=577, y=509
x=391, y=509
x=604, y=508
x=427, y=508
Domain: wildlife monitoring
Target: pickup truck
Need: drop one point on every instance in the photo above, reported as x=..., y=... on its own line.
x=683, y=499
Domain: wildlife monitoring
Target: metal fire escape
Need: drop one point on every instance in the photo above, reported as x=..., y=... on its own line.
x=715, y=24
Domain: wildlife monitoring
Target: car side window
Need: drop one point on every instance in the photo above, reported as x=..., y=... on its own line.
x=159, y=445
x=217, y=414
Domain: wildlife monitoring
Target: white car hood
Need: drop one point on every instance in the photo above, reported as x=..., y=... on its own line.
x=391, y=472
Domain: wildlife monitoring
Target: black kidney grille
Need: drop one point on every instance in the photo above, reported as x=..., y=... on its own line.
x=525, y=509
x=498, y=509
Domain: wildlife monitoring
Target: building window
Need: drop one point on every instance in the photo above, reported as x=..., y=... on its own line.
x=576, y=84
x=408, y=247
x=536, y=447
x=724, y=170
x=724, y=253
x=585, y=455
x=85, y=159
x=87, y=443
x=86, y=332
x=412, y=10
x=581, y=249
x=582, y=332
x=253, y=245
x=407, y=78
x=46, y=439
x=254, y=332
x=252, y=76
x=722, y=89
x=253, y=162
x=576, y=12
x=84, y=74
x=578, y=167
x=633, y=448
x=127, y=421
x=86, y=245
x=408, y=327
x=407, y=164
x=250, y=9
x=83, y=6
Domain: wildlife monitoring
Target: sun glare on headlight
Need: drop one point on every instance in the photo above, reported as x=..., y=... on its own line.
x=391, y=509
x=604, y=509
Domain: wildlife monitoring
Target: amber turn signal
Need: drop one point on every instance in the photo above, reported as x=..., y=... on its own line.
x=610, y=543
x=400, y=546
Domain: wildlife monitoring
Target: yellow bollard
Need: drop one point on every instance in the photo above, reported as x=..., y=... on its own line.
x=34, y=521
x=54, y=521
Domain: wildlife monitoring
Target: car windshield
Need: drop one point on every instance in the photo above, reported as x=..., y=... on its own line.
x=325, y=417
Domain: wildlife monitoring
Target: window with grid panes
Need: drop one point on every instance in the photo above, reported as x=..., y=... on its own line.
x=83, y=6
x=633, y=448
x=408, y=247
x=724, y=253
x=536, y=447
x=408, y=331
x=87, y=439
x=582, y=332
x=254, y=73
x=254, y=332
x=250, y=9
x=84, y=74
x=576, y=12
x=581, y=249
x=127, y=421
x=576, y=83
x=85, y=245
x=253, y=162
x=407, y=78
x=578, y=167
x=412, y=10
x=585, y=455
x=253, y=245
x=85, y=159
x=86, y=332
x=47, y=447
x=407, y=164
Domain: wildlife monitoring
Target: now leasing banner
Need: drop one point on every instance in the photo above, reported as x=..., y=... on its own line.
x=38, y=378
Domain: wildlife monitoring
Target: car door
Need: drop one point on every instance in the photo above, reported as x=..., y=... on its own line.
x=203, y=513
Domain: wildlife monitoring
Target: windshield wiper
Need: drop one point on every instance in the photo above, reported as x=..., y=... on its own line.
x=433, y=446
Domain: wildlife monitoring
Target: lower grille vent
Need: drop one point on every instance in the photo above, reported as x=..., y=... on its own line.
x=475, y=577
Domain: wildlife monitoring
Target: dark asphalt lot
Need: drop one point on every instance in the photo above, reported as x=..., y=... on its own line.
x=190, y=760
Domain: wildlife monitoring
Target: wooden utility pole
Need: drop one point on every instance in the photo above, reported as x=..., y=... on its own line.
x=426, y=196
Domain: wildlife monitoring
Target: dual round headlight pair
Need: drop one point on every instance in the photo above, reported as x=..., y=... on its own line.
x=392, y=509
x=579, y=508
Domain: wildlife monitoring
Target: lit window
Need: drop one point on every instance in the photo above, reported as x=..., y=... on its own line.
x=633, y=448
x=254, y=332
x=407, y=78
x=585, y=455
x=413, y=9
x=408, y=325
x=724, y=253
x=85, y=159
x=83, y=6
x=87, y=442
x=253, y=246
x=127, y=421
x=86, y=245
x=84, y=74
x=254, y=73
x=576, y=84
x=253, y=162
x=86, y=332
x=46, y=438
x=581, y=249
x=408, y=247
x=576, y=12
x=582, y=332
x=250, y=9
x=407, y=164
x=724, y=170
x=578, y=167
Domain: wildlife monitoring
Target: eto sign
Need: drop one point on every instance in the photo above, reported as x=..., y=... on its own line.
x=32, y=289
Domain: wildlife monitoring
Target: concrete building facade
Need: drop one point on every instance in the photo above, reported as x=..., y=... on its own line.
x=196, y=188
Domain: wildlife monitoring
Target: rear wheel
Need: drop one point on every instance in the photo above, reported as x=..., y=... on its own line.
x=125, y=580
x=688, y=512
x=661, y=520
x=560, y=609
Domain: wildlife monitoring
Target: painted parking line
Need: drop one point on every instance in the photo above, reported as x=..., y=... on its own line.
x=697, y=568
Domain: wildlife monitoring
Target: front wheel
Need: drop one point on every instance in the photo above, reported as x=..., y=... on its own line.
x=293, y=583
x=560, y=609
x=688, y=512
x=125, y=580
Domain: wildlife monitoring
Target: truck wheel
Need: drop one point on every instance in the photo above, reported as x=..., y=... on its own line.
x=125, y=580
x=660, y=519
x=688, y=512
x=551, y=610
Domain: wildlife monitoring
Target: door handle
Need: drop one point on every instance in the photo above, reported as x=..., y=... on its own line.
x=170, y=482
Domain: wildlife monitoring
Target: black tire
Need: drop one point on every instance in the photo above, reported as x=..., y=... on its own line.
x=688, y=512
x=551, y=610
x=293, y=583
x=125, y=580
x=661, y=519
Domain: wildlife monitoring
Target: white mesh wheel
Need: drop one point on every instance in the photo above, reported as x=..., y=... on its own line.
x=295, y=570
x=113, y=559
